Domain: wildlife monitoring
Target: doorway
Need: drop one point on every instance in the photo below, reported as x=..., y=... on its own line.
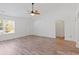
x=60, y=29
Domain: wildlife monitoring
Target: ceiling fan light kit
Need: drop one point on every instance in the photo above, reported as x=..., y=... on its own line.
x=34, y=12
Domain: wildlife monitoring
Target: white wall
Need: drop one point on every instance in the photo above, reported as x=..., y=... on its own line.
x=22, y=28
x=77, y=26
x=44, y=24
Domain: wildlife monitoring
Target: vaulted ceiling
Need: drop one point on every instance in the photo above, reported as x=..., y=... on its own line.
x=22, y=9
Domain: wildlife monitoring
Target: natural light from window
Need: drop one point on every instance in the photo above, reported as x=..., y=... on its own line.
x=7, y=26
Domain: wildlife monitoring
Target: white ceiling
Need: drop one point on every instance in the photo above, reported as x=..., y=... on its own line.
x=15, y=9
x=19, y=9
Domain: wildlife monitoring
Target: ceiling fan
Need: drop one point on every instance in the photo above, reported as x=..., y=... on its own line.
x=34, y=12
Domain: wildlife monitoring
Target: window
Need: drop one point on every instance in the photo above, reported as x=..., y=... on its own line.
x=7, y=26
x=1, y=24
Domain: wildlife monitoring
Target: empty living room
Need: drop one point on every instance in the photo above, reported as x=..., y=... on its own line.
x=39, y=28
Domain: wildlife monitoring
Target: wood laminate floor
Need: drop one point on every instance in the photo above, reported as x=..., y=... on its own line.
x=35, y=45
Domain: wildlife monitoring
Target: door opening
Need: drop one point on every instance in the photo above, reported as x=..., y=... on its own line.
x=60, y=29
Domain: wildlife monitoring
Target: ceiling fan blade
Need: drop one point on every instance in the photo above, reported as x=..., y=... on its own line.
x=28, y=12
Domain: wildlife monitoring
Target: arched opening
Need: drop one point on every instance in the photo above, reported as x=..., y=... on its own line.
x=60, y=29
